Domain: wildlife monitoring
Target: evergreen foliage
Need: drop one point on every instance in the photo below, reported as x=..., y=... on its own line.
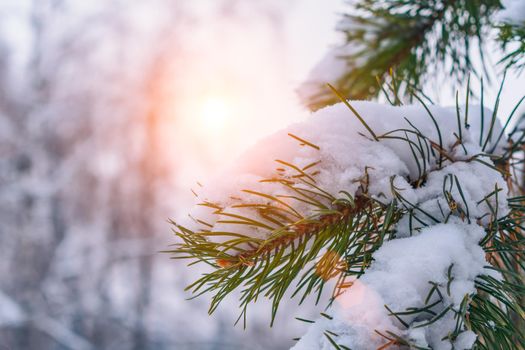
x=419, y=39
x=513, y=35
x=301, y=253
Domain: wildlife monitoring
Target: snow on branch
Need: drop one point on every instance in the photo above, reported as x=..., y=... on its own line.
x=400, y=205
x=513, y=12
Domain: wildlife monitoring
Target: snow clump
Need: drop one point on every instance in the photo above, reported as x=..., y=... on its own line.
x=435, y=257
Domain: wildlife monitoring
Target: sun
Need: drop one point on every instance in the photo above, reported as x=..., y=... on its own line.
x=214, y=112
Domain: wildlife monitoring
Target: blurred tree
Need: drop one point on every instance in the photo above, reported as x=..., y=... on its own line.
x=85, y=75
x=85, y=132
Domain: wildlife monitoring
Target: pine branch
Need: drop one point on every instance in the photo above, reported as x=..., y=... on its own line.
x=342, y=236
x=309, y=236
x=513, y=36
x=418, y=39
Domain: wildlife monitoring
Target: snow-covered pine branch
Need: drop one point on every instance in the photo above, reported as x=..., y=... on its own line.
x=403, y=206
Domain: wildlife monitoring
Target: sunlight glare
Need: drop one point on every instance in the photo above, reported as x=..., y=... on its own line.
x=215, y=112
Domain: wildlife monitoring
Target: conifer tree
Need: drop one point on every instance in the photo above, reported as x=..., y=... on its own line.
x=409, y=215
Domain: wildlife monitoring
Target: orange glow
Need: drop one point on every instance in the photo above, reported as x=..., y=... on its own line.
x=354, y=295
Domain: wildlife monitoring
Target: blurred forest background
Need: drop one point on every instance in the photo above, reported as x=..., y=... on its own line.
x=101, y=137
x=98, y=137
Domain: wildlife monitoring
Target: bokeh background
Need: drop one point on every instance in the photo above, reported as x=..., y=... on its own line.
x=110, y=111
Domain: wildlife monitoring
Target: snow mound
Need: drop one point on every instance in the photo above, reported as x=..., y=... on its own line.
x=346, y=153
x=513, y=12
x=399, y=278
x=431, y=161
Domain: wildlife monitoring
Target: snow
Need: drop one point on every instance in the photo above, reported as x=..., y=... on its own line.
x=399, y=277
x=441, y=247
x=335, y=130
x=513, y=12
x=11, y=313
